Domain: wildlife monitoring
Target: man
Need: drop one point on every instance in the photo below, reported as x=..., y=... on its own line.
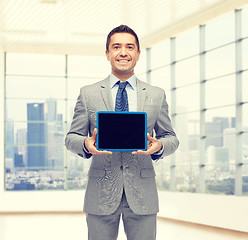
x=121, y=183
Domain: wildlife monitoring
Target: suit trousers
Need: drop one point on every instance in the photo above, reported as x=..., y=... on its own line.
x=136, y=227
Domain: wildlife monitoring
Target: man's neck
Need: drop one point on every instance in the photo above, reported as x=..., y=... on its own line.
x=123, y=77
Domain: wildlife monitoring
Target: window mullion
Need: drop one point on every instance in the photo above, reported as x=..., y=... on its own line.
x=238, y=109
x=202, y=109
x=173, y=110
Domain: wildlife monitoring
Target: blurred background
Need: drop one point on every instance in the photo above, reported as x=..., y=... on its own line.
x=197, y=50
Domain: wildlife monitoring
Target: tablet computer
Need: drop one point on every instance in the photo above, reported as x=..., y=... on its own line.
x=121, y=131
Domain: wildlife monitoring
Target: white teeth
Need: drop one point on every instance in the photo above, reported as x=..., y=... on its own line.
x=123, y=60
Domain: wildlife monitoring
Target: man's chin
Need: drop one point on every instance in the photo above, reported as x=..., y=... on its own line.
x=124, y=71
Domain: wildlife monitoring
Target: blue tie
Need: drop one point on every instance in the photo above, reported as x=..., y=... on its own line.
x=121, y=102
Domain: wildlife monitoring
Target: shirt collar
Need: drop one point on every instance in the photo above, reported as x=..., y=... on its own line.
x=131, y=81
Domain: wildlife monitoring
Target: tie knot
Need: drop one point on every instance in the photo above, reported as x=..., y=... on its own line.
x=122, y=85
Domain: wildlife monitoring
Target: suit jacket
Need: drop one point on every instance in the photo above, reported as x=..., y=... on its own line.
x=110, y=174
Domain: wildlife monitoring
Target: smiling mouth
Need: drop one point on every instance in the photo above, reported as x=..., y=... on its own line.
x=123, y=60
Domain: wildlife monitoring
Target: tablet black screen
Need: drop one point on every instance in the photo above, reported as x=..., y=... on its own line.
x=121, y=131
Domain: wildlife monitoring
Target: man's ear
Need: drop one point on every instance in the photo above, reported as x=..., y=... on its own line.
x=107, y=55
x=138, y=56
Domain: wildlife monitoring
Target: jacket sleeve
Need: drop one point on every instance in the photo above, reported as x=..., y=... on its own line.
x=79, y=127
x=164, y=131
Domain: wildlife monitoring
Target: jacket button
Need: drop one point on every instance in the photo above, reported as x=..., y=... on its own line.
x=121, y=167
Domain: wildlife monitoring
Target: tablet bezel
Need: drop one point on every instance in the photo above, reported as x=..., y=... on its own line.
x=121, y=149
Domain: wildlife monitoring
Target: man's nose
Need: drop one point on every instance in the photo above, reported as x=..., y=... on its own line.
x=123, y=51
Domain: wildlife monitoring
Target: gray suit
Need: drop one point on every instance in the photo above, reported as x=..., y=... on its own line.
x=109, y=174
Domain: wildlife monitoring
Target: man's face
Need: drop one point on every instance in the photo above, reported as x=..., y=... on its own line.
x=123, y=54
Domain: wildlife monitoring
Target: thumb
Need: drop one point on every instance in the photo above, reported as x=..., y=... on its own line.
x=151, y=139
x=94, y=134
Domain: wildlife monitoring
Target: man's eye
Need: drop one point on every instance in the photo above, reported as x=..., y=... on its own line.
x=116, y=47
x=130, y=47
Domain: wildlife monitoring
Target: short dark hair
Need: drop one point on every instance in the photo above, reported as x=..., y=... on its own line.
x=122, y=29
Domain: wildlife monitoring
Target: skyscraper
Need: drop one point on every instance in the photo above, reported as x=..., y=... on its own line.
x=216, y=127
x=18, y=160
x=9, y=139
x=51, y=109
x=21, y=142
x=55, y=134
x=36, y=135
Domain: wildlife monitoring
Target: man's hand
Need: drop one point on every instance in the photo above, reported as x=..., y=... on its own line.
x=153, y=147
x=90, y=144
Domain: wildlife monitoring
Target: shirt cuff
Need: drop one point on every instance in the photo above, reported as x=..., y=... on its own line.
x=87, y=153
x=158, y=154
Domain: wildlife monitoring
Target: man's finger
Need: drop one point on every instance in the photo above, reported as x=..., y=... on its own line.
x=105, y=152
x=93, y=150
x=138, y=152
x=96, y=152
x=142, y=152
x=151, y=139
x=94, y=134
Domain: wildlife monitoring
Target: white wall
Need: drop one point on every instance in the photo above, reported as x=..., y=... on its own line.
x=215, y=210
x=32, y=201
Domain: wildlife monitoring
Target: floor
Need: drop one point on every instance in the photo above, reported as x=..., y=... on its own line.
x=73, y=226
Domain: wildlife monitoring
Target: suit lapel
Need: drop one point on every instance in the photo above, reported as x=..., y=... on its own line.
x=106, y=94
x=141, y=95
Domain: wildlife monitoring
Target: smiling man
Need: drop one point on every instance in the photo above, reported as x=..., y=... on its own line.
x=121, y=184
x=123, y=52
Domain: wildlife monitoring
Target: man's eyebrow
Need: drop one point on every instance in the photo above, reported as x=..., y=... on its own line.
x=115, y=44
x=125, y=44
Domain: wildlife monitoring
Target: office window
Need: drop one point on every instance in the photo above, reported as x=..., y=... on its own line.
x=162, y=169
x=220, y=61
x=22, y=87
x=188, y=133
x=140, y=67
x=187, y=177
x=81, y=66
x=35, y=64
x=225, y=86
x=220, y=177
x=245, y=158
x=209, y=107
x=244, y=22
x=187, y=98
x=41, y=92
x=245, y=117
x=187, y=71
x=220, y=150
x=161, y=78
x=34, y=121
x=245, y=86
x=245, y=53
x=223, y=117
x=187, y=157
x=187, y=44
x=160, y=54
x=220, y=31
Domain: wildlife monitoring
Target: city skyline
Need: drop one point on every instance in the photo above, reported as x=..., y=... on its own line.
x=44, y=127
x=44, y=143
